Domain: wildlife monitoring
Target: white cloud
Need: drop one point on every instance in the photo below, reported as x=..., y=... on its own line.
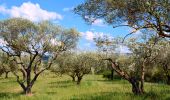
x=98, y=22
x=30, y=11
x=3, y=9
x=90, y=35
x=122, y=49
x=68, y=9
x=136, y=33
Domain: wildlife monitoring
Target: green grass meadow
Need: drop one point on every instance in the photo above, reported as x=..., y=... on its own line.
x=93, y=87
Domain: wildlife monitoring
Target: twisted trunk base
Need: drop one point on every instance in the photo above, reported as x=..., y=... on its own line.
x=168, y=80
x=79, y=80
x=28, y=91
x=6, y=74
x=136, y=88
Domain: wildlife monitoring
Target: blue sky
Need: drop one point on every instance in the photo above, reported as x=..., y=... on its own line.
x=59, y=11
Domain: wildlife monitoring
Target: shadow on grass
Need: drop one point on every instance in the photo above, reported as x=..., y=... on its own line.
x=98, y=96
x=8, y=95
x=9, y=81
x=61, y=84
x=51, y=93
x=118, y=96
x=115, y=81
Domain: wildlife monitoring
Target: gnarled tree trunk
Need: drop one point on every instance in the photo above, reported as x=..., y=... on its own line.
x=73, y=76
x=6, y=74
x=168, y=79
x=166, y=70
x=79, y=80
x=136, y=86
x=29, y=82
x=143, y=75
x=28, y=90
x=142, y=79
x=73, y=79
x=112, y=72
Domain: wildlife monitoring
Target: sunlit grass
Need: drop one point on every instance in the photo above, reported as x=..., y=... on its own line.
x=93, y=87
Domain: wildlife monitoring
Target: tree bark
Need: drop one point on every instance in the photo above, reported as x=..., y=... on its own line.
x=136, y=89
x=135, y=86
x=142, y=77
x=73, y=76
x=79, y=80
x=112, y=71
x=6, y=74
x=28, y=90
x=73, y=79
x=168, y=80
x=28, y=76
x=29, y=86
x=165, y=68
x=22, y=85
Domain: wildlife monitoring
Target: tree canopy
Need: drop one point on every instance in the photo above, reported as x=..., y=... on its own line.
x=28, y=43
x=138, y=14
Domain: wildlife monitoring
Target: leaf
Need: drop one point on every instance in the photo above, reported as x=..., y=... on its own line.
x=148, y=3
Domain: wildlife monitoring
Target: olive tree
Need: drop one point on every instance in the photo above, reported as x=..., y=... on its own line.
x=63, y=65
x=1, y=67
x=132, y=67
x=138, y=14
x=76, y=65
x=163, y=60
x=27, y=43
x=143, y=54
x=106, y=48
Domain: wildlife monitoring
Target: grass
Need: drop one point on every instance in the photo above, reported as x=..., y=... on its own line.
x=93, y=87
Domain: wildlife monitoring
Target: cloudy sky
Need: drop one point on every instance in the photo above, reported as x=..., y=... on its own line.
x=60, y=12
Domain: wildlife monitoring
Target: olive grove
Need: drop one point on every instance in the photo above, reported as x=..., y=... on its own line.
x=27, y=43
